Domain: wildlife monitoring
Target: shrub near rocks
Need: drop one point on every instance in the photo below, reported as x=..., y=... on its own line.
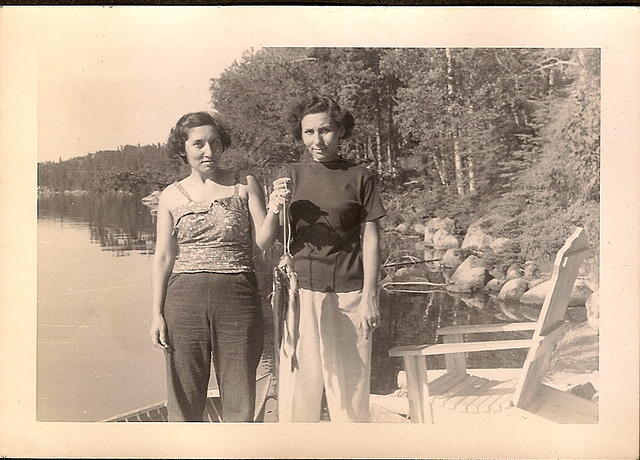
x=501, y=245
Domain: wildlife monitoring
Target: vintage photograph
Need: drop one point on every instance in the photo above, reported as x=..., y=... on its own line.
x=458, y=188
x=295, y=234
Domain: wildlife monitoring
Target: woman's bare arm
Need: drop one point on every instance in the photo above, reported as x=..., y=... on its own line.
x=370, y=314
x=163, y=259
x=265, y=223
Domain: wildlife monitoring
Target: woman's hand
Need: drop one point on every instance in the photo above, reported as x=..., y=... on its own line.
x=279, y=196
x=369, y=312
x=158, y=332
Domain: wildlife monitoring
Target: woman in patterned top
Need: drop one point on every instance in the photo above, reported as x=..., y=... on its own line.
x=206, y=303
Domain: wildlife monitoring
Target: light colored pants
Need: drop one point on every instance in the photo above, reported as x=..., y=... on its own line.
x=332, y=353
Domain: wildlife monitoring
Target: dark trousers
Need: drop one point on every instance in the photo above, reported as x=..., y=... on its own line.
x=212, y=316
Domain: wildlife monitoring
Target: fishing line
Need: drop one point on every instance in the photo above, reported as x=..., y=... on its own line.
x=286, y=226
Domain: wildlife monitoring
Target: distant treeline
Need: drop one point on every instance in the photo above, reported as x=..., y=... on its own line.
x=137, y=169
x=508, y=134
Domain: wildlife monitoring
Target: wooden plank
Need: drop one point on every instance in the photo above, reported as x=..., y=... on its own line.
x=482, y=328
x=506, y=403
x=471, y=387
x=584, y=252
x=535, y=366
x=134, y=413
x=461, y=387
x=562, y=407
x=455, y=389
x=460, y=401
x=432, y=375
x=407, y=350
x=465, y=403
x=455, y=362
x=444, y=383
x=533, y=372
x=482, y=404
x=499, y=374
x=443, y=348
x=427, y=410
x=158, y=411
x=565, y=271
x=503, y=401
x=414, y=389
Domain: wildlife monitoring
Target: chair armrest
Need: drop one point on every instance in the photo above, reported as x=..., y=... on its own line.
x=479, y=328
x=445, y=348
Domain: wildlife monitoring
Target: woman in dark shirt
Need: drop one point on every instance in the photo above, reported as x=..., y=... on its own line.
x=334, y=213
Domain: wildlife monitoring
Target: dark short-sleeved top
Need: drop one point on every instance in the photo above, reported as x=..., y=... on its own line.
x=329, y=202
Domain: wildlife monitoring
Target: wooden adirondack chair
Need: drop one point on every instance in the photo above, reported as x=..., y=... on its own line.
x=461, y=390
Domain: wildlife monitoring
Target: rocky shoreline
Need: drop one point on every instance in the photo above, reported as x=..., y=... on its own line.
x=479, y=263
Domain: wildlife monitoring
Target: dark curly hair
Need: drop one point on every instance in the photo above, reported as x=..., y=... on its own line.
x=180, y=132
x=319, y=104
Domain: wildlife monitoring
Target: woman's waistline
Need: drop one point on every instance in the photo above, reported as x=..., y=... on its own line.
x=219, y=259
x=233, y=271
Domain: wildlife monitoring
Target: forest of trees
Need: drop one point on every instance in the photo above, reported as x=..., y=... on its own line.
x=132, y=169
x=510, y=135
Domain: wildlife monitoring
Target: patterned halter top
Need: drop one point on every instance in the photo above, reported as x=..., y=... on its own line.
x=213, y=237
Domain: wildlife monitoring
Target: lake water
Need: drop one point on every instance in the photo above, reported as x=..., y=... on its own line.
x=94, y=358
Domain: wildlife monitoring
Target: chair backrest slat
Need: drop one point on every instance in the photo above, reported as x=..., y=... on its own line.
x=549, y=328
x=565, y=272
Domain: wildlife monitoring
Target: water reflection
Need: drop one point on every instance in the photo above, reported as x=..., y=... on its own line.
x=119, y=223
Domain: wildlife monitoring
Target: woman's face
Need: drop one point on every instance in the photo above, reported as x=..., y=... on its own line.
x=321, y=136
x=203, y=148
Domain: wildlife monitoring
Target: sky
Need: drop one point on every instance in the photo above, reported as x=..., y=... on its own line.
x=93, y=98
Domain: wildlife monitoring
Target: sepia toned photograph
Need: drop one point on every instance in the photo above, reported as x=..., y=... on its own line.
x=474, y=152
x=294, y=235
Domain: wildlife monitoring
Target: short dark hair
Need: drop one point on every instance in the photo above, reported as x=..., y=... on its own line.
x=180, y=132
x=319, y=104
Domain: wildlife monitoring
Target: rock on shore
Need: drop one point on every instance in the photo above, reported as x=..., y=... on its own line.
x=536, y=296
x=518, y=283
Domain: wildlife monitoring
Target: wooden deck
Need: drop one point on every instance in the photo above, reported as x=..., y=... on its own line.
x=552, y=405
x=157, y=412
